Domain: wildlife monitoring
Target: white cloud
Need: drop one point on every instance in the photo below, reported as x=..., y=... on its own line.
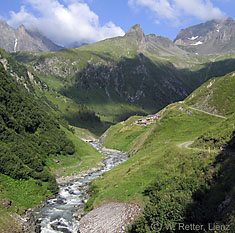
x=21, y=17
x=64, y=24
x=200, y=9
x=161, y=7
x=175, y=10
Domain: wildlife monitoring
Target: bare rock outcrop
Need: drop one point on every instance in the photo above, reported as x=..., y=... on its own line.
x=109, y=218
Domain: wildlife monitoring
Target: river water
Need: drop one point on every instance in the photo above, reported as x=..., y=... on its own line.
x=59, y=214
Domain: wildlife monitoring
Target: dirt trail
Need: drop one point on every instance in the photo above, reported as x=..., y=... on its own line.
x=186, y=145
x=139, y=146
x=216, y=115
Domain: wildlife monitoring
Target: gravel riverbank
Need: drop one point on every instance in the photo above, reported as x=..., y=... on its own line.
x=109, y=218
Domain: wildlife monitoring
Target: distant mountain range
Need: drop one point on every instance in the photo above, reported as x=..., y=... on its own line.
x=22, y=39
x=215, y=36
x=211, y=37
x=122, y=73
x=126, y=75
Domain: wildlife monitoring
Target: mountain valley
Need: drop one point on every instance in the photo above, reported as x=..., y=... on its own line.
x=169, y=104
x=124, y=76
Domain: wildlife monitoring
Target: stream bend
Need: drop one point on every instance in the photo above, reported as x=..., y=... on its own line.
x=60, y=214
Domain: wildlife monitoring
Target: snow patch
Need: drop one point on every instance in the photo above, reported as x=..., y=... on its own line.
x=198, y=43
x=193, y=38
x=15, y=46
x=217, y=30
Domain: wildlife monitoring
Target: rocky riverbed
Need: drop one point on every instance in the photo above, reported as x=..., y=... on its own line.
x=63, y=213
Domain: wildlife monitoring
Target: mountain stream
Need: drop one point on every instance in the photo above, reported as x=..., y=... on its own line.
x=60, y=214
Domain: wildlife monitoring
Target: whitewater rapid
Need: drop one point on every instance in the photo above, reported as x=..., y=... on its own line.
x=60, y=213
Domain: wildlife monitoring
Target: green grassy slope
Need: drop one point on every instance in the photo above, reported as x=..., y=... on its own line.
x=119, y=77
x=28, y=136
x=218, y=135
x=85, y=156
x=128, y=134
x=216, y=95
x=33, y=148
x=111, y=77
x=154, y=158
x=175, y=183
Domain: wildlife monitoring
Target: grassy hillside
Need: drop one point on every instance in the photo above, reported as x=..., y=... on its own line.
x=219, y=135
x=216, y=95
x=33, y=148
x=128, y=133
x=85, y=156
x=155, y=156
x=172, y=181
x=120, y=77
x=28, y=134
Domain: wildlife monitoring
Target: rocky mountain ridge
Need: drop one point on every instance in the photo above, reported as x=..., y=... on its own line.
x=215, y=36
x=22, y=39
x=118, y=71
x=212, y=37
x=136, y=73
x=153, y=44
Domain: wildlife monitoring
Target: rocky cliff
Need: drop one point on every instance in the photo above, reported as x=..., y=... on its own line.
x=215, y=36
x=22, y=39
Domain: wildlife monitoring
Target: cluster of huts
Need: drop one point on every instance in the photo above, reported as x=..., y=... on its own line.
x=148, y=119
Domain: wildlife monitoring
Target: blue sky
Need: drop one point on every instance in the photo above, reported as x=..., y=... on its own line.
x=68, y=21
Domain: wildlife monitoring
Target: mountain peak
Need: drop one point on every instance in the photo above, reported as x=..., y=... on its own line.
x=3, y=23
x=136, y=30
x=22, y=39
x=214, y=36
x=224, y=19
x=21, y=28
x=136, y=27
x=136, y=33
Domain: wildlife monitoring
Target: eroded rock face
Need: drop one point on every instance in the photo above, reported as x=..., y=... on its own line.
x=215, y=36
x=109, y=218
x=27, y=223
x=21, y=39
